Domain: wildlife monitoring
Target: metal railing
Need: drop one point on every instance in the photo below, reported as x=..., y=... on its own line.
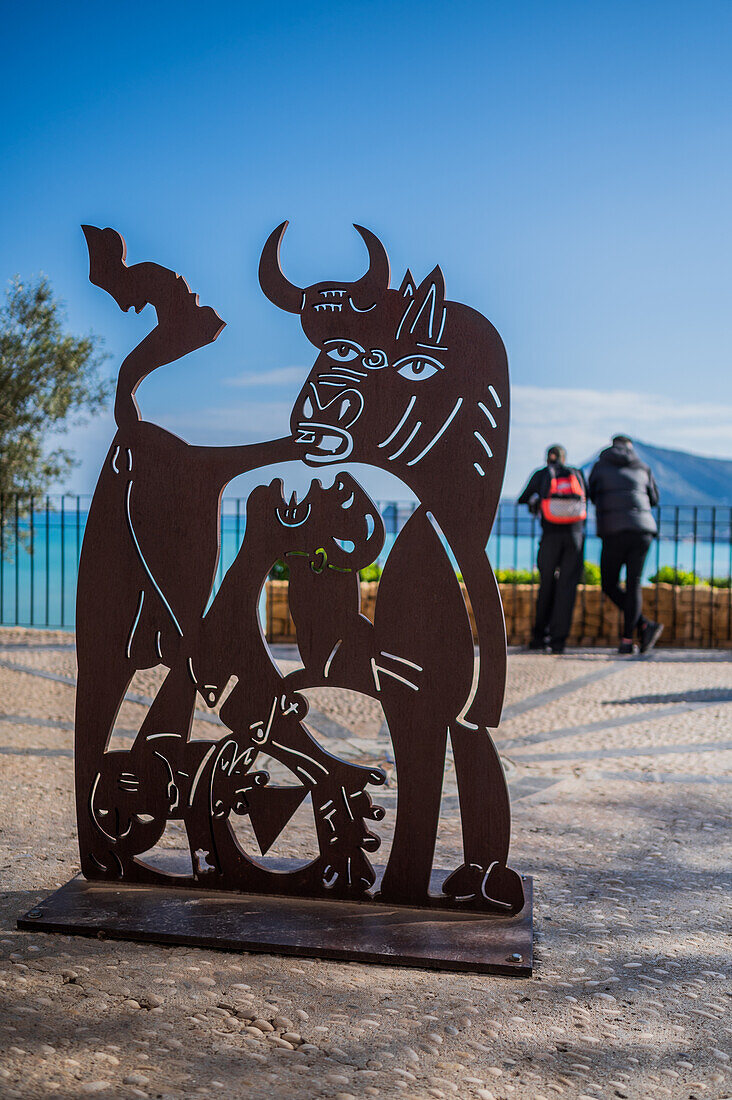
x=41, y=538
x=692, y=557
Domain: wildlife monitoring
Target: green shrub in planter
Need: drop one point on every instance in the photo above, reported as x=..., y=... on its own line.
x=371, y=572
x=279, y=571
x=680, y=577
x=517, y=576
x=591, y=574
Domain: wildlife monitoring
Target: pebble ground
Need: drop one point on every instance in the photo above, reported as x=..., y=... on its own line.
x=620, y=778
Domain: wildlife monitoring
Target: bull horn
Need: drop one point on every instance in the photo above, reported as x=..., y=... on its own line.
x=280, y=291
x=376, y=280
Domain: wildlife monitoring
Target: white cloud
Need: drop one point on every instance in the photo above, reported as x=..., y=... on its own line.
x=227, y=425
x=584, y=421
x=278, y=376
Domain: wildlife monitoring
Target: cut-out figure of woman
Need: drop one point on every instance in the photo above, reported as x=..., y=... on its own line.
x=325, y=538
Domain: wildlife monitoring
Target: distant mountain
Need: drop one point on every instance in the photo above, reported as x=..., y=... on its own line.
x=685, y=478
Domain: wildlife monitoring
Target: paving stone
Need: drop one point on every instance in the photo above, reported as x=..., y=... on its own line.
x=624, y=834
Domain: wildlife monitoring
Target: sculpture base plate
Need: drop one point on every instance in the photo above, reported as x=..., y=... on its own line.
x=369, y=932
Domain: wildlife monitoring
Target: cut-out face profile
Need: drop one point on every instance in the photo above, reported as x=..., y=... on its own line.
x=404, y=379
x=129, y=804
x=337, y=528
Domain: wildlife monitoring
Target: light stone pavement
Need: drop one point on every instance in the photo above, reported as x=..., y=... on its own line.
x=620, y=776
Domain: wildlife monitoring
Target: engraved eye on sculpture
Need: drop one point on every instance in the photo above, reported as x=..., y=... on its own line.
x=418, y=367
x=376, y=359
x=342, y=351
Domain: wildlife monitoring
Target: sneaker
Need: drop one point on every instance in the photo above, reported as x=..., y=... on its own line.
x=649, y=635
x=627, y=648
x=537, y=643
x=557, y=648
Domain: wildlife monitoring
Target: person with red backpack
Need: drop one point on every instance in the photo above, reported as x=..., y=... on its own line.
x=558, y=494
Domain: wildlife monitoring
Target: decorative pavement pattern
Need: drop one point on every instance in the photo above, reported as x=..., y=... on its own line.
x=620, y=774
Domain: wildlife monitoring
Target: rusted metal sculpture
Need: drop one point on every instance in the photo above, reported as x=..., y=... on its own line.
x=404, y=380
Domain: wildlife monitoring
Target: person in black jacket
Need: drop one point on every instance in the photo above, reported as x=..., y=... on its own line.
x=623, y=491
x=561, y=549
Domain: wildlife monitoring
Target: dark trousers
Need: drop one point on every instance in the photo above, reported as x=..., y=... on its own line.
x=560, y=561
x=629, y=549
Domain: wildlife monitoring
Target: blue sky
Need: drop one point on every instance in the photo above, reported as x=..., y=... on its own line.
x=567, y=164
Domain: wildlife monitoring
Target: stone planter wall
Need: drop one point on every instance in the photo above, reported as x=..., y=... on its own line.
x=693, y=617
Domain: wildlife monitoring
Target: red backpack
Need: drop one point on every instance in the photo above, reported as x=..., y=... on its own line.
x=564, y=500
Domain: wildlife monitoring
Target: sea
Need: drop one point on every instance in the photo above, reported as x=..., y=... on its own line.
x=40, y=550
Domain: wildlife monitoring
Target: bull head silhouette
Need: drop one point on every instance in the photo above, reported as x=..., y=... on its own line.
x=403, y=378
